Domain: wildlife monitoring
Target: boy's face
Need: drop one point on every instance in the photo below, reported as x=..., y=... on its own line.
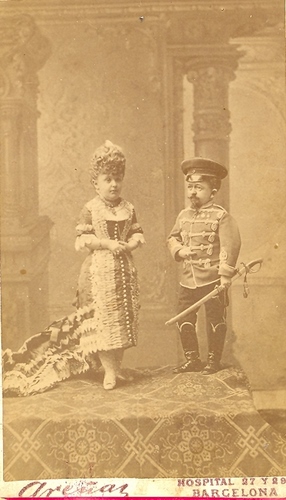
x=109, y=186
x=199, y=193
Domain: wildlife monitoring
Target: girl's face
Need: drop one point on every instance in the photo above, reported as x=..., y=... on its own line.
x=199, y=193
x=108, y=186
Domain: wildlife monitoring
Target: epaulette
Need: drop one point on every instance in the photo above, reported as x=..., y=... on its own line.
x=220, y=208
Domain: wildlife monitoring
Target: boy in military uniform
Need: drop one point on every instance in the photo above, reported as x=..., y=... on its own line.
x=205, y=238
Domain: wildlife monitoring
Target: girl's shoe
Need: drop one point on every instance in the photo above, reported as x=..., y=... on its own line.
x=109, y=381
x=108, y=362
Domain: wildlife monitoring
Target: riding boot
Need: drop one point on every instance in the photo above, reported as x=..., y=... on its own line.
x=191, y=349
x=216, y=339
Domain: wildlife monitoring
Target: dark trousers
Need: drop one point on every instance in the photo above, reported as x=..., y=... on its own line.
x=215, y=307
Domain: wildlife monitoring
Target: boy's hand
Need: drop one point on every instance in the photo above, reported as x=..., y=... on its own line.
x=225, y=281
x=185, y=253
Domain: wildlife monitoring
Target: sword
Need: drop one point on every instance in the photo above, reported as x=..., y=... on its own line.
x=243, y=270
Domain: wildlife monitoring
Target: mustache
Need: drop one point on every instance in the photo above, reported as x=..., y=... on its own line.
x=194, y=200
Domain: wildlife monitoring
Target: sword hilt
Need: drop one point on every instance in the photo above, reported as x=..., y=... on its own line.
x=245, y=269
x=248, y=268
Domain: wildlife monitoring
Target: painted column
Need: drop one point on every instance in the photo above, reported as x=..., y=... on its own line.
x=25, y=235
x=211, y=70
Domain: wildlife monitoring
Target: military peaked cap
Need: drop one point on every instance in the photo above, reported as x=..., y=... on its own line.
x=203, y=167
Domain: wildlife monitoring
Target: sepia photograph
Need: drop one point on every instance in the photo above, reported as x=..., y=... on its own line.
x=143, y=236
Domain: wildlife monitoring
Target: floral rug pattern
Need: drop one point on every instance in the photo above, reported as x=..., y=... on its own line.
x=159, y=425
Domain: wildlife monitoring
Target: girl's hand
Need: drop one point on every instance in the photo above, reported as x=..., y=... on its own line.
x=89, y=241
x=186, y=253
x=130, y=245
x=116, y=247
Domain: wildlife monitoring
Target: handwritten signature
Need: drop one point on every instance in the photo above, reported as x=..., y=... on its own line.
x=84, y=488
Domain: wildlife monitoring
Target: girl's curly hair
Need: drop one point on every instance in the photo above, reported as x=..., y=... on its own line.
x=107, y=159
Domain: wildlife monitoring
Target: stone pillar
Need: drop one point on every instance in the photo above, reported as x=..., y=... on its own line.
x=210, y=71
x=11, y=114
x=25, y=235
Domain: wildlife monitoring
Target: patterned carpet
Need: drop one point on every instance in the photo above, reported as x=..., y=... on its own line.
x=159, y=425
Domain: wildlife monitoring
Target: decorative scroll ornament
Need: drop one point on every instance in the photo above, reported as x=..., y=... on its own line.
x=210, y=70
x=210, y=84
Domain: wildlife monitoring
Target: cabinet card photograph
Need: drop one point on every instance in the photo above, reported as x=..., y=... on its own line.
x=143, y=239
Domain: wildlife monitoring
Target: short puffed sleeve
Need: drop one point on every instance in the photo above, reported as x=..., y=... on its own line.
x=84, y=224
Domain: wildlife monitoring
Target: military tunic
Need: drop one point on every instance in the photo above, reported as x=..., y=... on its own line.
x=213, y=235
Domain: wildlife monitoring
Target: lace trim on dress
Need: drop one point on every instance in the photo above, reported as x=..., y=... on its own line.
x=84, y=228
x=98, y=211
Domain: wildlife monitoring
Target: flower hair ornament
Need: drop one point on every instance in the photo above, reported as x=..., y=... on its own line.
x=107, y=159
